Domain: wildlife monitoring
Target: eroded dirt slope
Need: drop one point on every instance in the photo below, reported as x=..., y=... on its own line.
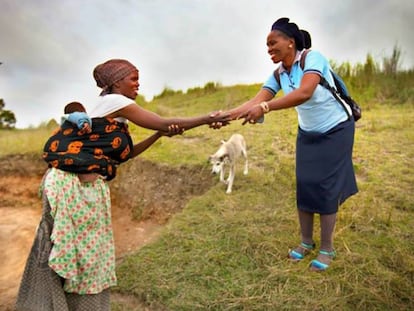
x=145, y=195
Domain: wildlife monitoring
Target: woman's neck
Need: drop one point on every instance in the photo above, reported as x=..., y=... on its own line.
x=289, y=60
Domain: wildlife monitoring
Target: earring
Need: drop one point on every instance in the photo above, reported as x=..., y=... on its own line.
x=290, y=46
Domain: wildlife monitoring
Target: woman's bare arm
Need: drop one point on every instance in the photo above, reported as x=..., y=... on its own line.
x=145, y=144
x=297, y=97
x=153, y=121
x=262, y=95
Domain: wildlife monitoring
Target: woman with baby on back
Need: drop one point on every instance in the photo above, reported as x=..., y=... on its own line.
x=71, y=265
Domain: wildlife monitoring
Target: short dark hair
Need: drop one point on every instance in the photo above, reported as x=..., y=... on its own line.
x=74, y=107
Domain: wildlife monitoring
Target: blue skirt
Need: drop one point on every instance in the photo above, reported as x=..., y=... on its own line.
x=325, y=175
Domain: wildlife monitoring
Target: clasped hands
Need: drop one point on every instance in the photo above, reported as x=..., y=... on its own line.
x=218, y=119
x=173, y=130
x=253, y=115
x=215, y=120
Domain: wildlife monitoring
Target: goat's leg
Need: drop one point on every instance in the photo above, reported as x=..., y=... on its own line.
x=246, y=162
x=230, y=179
x=222, y=175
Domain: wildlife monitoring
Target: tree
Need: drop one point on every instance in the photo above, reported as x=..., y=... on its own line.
x=7, y=118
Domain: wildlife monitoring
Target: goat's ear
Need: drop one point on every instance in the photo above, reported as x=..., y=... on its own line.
x=223, y=142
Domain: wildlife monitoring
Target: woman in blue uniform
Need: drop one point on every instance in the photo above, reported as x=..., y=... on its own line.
x=324, y=171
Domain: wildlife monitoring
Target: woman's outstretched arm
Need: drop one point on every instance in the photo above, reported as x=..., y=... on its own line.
x=151, y=120
x=149, y=141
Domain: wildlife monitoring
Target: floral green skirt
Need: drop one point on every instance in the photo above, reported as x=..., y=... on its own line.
x=44, y=288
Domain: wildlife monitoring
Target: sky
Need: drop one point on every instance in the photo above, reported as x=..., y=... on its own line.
x=48, y=49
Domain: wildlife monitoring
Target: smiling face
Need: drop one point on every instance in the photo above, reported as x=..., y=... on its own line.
x=279, y=46
x=128, y=86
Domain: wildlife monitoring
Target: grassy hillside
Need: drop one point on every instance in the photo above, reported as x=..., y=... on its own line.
x=228, y=252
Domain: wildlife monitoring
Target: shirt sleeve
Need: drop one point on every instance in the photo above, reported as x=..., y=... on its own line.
x=315, y=62
x=108, y=104
x=271, y=85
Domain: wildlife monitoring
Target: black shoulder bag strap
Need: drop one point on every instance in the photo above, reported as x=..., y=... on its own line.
x=335, y=94
x=322, y=81
x=276, y=73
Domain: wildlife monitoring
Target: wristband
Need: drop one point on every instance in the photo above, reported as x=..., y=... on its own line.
x=265, y=107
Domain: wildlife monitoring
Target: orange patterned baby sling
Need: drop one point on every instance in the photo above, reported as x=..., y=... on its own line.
x=72, y=149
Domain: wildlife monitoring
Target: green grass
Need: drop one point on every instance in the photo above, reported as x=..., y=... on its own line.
x=23, y=141
x=228, y=252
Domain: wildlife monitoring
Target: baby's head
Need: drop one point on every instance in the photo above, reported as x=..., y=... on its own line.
x=74, y=107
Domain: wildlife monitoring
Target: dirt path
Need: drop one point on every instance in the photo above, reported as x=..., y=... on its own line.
x=136, y=188
x=16, y=235
x=18, y=225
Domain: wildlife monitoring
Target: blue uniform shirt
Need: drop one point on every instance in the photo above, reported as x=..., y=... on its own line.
x=322, y=111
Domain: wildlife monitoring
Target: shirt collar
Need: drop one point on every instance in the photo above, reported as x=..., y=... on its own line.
x=297, y=59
